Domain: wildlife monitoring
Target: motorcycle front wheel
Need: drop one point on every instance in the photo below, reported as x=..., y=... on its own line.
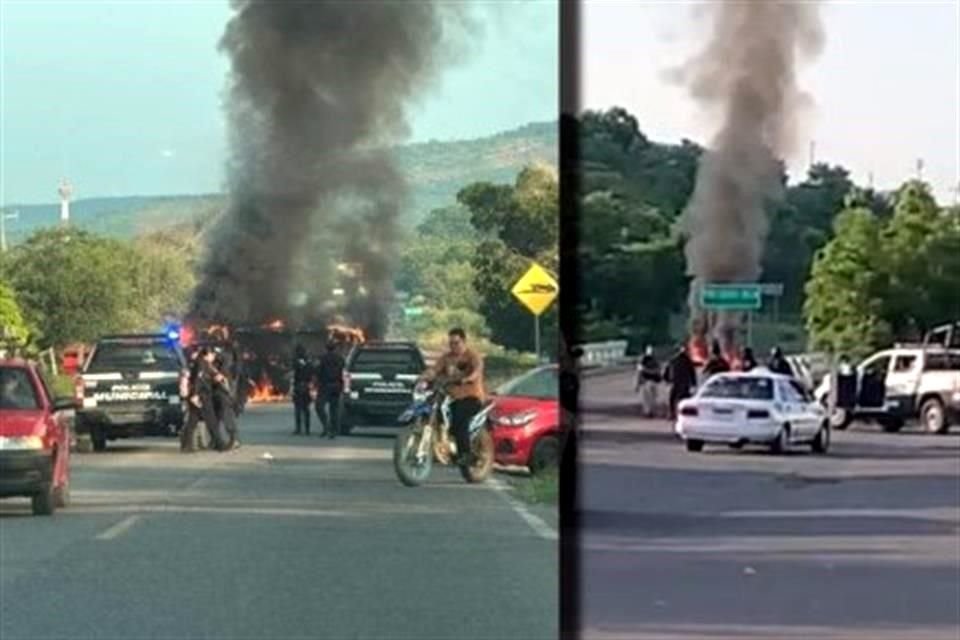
x=410, y=470
x=481, y=467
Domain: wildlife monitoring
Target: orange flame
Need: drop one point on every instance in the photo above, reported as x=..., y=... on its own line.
x=698, y=350
x=263, y=391
x=276, y=325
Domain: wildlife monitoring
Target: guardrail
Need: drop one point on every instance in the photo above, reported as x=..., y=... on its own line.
x=603, y=353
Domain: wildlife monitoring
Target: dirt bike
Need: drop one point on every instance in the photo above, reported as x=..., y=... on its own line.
x=426, y=438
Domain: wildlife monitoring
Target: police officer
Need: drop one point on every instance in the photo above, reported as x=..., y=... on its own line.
x=716, y=363
x=302, y=374
x=778, y=363
x=200, y=403
x=329, y=389
x=224, y=398
x=648, y=379
x=681, y=373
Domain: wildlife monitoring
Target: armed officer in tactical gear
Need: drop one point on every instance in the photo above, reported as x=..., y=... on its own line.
x=302, y=374
x=330, y=389
x=224, y=396
x=201, y=403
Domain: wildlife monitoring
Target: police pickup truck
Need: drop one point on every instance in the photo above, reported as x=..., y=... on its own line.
x=131, y=386
x=379, y=378
x=907, y=382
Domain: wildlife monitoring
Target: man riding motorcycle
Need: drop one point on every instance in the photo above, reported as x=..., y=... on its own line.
x=460, y=372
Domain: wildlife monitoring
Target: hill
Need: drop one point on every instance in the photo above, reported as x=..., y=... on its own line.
x=436, y=170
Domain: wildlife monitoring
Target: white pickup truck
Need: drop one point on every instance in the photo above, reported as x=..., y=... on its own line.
x=904, y=383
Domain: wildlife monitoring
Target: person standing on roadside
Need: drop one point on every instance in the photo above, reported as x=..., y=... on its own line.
x=200, y=403
x=302, y=374
x=224, y=399
x=747, y=361
x=716, y=363
x=682, y=376
x=648, y=379
x=778, y=363
x=330, y=389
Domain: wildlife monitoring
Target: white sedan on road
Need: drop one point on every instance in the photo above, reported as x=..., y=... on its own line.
x=757, y=407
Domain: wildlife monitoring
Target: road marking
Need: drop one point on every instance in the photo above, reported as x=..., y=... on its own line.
x=536, y=523
x=118, y=529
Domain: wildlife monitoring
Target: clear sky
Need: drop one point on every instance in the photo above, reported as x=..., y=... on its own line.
x=124, y=96
x=886, y=86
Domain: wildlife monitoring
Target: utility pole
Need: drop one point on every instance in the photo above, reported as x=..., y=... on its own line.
x=919, y=168
x=4, y=216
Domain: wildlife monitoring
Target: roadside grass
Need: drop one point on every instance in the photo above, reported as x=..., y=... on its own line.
x=542, y=489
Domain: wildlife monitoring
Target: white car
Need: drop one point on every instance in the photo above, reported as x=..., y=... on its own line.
x=755, y=407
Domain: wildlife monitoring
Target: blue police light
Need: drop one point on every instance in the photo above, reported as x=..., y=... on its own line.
x=173, y=333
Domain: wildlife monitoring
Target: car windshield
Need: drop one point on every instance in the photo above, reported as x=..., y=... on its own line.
x=17, y=391
x=375, y=360
x=542, y=384
x=142, y=356
x=742, y=388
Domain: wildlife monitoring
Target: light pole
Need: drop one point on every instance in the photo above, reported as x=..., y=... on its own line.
x=4, y=216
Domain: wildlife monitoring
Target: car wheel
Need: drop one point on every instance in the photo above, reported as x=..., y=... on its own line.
x=694, y=445
x=821, y=443
x=61, y=495
x=546, y=455
x=890, y=424
x=781, y=443
x=44, y=503
x=933, y=416
x=841, y=419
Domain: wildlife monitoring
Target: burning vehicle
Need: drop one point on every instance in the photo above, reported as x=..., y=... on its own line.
x=266, y=351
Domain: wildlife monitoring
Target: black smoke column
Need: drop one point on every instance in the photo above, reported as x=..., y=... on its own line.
x=746, y=74
x=316, y=88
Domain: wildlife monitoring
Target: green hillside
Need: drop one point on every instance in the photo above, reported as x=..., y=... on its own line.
x=436, y=171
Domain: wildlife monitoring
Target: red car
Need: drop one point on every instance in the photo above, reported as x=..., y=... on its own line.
x=34, y=439
x=526, y=420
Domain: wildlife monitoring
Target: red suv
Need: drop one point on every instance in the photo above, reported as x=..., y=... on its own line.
x=34, y=438
x=526, y=420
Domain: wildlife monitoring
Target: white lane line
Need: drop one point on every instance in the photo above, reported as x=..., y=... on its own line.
x=118, y=529
x=536, y=523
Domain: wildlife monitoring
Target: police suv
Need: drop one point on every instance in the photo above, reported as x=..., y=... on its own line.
x=907, y=382
x=379, y=378
x=131, y=386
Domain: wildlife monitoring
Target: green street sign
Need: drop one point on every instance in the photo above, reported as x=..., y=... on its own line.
x=731, y=297
x=412, y=312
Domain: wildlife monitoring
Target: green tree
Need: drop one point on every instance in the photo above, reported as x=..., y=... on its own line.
x=521, y=225
x=73, y=285
x=844, y=306
x=915, y=242
x=13, y=327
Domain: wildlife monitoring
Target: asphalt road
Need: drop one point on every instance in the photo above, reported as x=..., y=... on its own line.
x=321, y=542
x=861, y=543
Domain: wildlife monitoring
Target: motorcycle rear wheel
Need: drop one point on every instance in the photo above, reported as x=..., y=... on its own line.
x=410, y=471
x=482, y=466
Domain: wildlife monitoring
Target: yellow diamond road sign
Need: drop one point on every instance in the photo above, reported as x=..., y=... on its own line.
x=536, y=289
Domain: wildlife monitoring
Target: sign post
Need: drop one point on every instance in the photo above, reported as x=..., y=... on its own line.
x=536, y=290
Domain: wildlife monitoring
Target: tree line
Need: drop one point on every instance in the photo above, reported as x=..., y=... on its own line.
x=847, y=255
x=65, y=285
